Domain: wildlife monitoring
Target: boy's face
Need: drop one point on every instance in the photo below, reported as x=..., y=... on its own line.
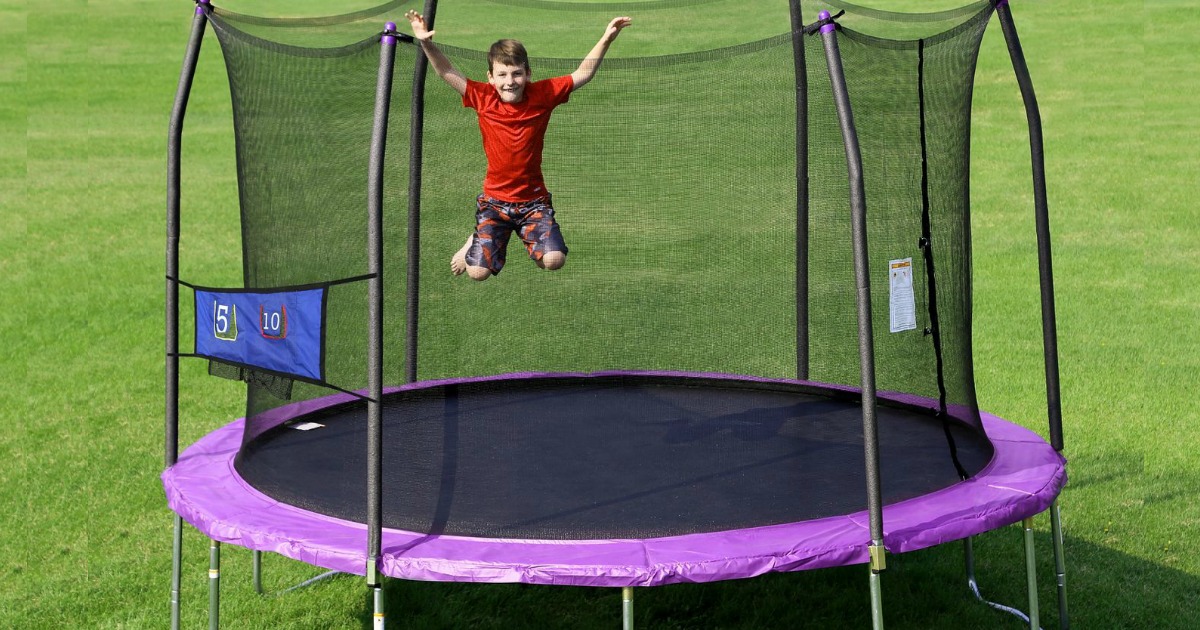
x=509, y=81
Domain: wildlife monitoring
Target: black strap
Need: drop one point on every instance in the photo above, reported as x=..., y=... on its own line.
x=816, y=26
x=404, y=37
x=298, y=287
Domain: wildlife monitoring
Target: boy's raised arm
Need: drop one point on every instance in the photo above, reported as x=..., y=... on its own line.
x=587, y=68
x=441, y=64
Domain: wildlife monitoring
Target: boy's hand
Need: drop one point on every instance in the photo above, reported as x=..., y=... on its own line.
x=587, y=68
x=615, y=26
x=418, y=25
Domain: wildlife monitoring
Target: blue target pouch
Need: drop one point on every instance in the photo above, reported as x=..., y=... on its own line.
x=281, y=331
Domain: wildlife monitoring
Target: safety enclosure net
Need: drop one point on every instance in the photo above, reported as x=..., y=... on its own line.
x=703, y=196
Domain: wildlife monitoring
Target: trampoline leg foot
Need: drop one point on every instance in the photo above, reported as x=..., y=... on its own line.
x=969, y=558
x=1060, y=566
x=377, y=592
x=258, y=586
x=627, y=608
x=1031, y=574
x=214, y=585
x=176, y=571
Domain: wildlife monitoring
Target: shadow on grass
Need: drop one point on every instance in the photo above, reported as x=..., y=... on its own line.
x=1115, y=506
x=925, y=589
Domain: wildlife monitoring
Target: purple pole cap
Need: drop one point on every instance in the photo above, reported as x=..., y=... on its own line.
x=200, y=9
x=389, y=40
x=1002, y=3
x=826, y=28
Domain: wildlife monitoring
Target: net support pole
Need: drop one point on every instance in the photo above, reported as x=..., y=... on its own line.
x=415, y=162
x=171, y=398
x=383, y=96
x=1042, y=222
x=1046, y=276
x=802, y=350
x=866, y=344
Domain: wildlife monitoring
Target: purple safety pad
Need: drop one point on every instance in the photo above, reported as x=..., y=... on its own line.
x=1023, y=479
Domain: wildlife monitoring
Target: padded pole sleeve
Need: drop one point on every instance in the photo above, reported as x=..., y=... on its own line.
x=858, y=209
x=174, y=146
x=1042, y=220
x=383, y=97
x=416, y=132
x=802, y=353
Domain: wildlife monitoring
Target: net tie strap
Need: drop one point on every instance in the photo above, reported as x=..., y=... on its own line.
x=816, y=26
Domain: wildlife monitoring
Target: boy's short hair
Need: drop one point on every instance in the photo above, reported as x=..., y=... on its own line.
x=509, y=52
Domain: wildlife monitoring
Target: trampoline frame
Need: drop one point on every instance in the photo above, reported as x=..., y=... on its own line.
x=873, y=553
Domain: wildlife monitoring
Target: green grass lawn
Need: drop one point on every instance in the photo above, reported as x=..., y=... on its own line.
x=85, y=94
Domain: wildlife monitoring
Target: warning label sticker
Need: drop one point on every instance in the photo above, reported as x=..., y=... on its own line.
x=903, y=303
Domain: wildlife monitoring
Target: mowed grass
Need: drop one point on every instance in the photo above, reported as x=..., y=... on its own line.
x=85, y=94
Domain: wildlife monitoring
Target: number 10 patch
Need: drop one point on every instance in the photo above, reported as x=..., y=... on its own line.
x=281, y=331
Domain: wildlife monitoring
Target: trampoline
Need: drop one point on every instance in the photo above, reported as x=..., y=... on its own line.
x=725, y=381
x=624, y=479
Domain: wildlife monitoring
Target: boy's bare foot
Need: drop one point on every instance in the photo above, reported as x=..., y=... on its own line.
x=458, y=262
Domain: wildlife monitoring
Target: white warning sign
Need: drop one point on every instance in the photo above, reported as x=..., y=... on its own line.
x=903, y=303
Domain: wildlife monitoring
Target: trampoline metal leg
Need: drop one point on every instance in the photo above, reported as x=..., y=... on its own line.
x=627, y=608
x=258, y=585
x=377, y=593
x=969, y=558
x=257, y=568
x=176, y=571
x=1060, y=566
x=969, y=561
x=214, y=585
x=877, y=565
x=1031, y=574
x=876, y=602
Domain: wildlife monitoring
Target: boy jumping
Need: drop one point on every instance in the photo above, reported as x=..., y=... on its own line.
x=513, y=115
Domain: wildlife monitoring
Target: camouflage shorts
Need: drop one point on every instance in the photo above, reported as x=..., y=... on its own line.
x=495, y=222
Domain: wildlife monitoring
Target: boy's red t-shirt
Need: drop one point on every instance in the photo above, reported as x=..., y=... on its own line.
x=513, y=135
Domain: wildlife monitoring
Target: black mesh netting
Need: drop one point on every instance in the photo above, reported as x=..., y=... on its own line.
x=604, y=457
x=675, y=182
